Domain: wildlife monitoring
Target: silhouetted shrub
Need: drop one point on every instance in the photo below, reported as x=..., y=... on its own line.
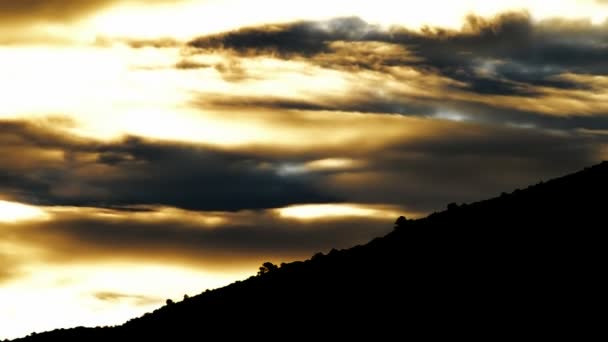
x=267, y=267
x=170, y=302
x=401, y=222
x=317, y=256
x=452, y=206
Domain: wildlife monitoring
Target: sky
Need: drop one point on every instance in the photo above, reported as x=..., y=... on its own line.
x=151, y=149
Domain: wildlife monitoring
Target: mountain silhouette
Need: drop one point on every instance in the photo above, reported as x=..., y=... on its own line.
x=527, y=264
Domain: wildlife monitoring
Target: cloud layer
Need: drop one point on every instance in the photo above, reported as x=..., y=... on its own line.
x=62, y=170
x=57, y=10
x=214, y=241
x=507, y=61
x=45, y=167
x=203, y=156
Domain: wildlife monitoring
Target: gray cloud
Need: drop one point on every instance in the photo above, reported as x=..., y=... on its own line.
x=455, y=162
x=306, y=38
x=506, y=55
x=484, y=160
x=135, y=172
x=373, y=102
x=464, y=164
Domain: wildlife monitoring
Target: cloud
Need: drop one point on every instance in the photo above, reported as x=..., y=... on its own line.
x=48, y=9
x=186, y=64
x=305, y=38
x=56, y=10
x=45, y=167
x=157, y=43
x=507, y=70
x=405, y=167
x=139, y=300
x=232, y=71
x=416, y=94
x=212, y=241
x=505, y=55
x=483, y=161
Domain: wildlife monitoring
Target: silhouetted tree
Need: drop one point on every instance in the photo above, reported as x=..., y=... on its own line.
x=401, y=222
x=267, y=267
x=317, y=256
x=452, y=206
x=170, y=302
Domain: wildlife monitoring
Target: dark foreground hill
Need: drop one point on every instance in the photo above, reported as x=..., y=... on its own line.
x=529, y=264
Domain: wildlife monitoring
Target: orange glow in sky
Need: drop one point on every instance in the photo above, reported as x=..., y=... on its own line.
x=151, y=149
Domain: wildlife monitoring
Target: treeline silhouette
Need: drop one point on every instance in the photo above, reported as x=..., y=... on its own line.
x=529, y=264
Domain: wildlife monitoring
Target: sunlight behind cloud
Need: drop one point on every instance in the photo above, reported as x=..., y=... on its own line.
x=333, y=164
x=12, y=212
x=324, y=211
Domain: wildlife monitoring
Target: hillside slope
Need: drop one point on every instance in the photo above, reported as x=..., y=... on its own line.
x=525, y=264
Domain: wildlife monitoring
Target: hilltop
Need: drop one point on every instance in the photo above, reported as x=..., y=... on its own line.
x=523, y=264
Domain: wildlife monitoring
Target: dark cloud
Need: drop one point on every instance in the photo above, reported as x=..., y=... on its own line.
x=285, y=40
x=453, y=162
x=506, y=55
x=507, y=70
x=55, y=169
x=483, y=159
x=464, y=163
x=244, y=239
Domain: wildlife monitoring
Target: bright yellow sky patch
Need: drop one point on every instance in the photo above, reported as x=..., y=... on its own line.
x=12, y=212
x=193, y=18
x=325, y=211
x=33, y=300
